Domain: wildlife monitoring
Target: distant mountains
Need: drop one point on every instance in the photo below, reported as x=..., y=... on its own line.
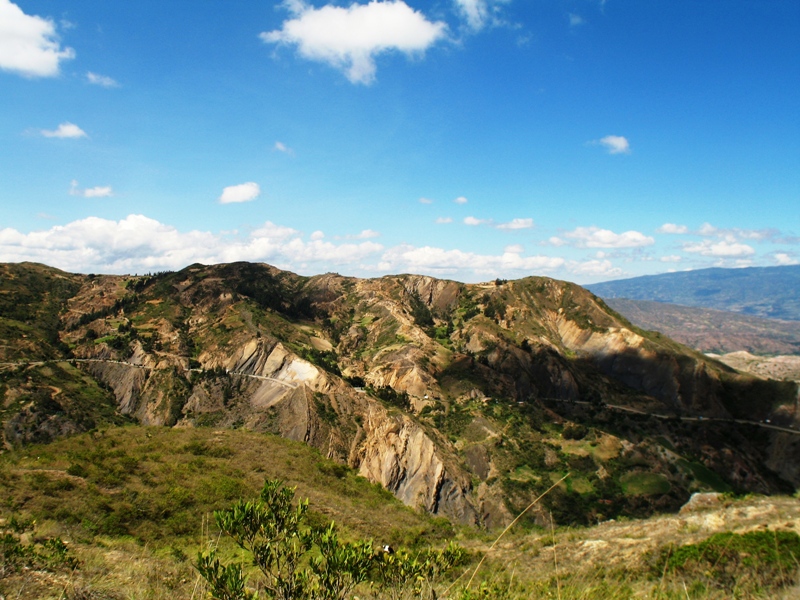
x=710, y=330
x=771, y=292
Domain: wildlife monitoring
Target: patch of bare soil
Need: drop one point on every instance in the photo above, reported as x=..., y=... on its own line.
x=775, y=367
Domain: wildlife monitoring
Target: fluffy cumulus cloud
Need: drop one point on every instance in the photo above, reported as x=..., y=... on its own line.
x=29, y=44
x=672, y=228
x=594, y=237
x=443, y=220
x=721, y=249
x=350, y=38
x=615, y=144
x=515, y=224
x=138, y=243
x=99, y=191
x=65, y=130
x=244, y=192
x=783, y=258
x=473, y=221
x=101, y=80
x=460, y=200
x=428, y=259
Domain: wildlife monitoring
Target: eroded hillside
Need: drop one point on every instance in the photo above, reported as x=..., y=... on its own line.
x=464, y=400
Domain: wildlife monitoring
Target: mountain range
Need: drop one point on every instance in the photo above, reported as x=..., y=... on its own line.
x=464, y=400
x=711, y=330
x=771, y=292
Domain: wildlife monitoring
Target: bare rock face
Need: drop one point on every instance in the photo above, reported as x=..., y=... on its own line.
x=701, y=501
x=399, y=455
x=284, y=394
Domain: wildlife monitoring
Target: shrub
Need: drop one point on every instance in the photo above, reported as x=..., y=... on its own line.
x=298, y=561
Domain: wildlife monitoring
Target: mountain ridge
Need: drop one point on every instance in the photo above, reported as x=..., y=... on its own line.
x=460, y=399
x=770, y=292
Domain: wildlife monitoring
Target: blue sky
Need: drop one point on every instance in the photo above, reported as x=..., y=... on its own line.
x=585, y=140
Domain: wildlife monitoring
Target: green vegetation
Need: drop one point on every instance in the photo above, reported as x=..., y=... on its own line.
x=132, y=504
x=156, y=484
x=298, y=561
x=644, y=484
x=48, y=554
x=757, y=561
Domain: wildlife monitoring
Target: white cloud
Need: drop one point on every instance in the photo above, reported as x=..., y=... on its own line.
x=673, y=229
x=350, y=38
x=442, y=220
x=281, y=147
x=594, y=237
x=425, y=201
x=514, y=249
x=98, y=192
x=65, y=130
x=516, y=224
x=460, y=200
x=29, y=45
x=594, y=268
x=138, y=243
x=575, y=20
x=672, y=258
x=429, y=259
x=94, y=192
x=317, y=235
x=707, y=229
x=479, y=13
x=736, y=233
x=782, y=258
x=364, y=235
x=722, y=248
x=244, y=192
x=473, y=221
x=101, y=80
x=615, y=144
x=474, y=11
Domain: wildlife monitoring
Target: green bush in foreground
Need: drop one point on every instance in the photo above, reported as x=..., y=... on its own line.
x=757, y=560
x=296, y=561
x=48, y=554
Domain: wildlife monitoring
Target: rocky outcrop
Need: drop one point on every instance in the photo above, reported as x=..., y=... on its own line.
x=398, y=454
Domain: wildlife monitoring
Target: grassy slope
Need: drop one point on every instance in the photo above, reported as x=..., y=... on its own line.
x=133, y=504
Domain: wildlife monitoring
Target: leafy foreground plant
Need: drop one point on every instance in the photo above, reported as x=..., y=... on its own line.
x=751, y=562
x=297, y=561
x=48, y=554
